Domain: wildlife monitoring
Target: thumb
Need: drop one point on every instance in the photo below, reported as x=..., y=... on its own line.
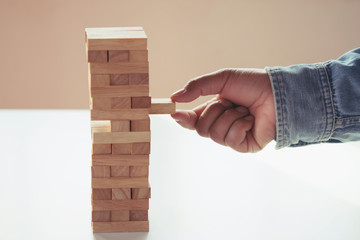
x=208, y=84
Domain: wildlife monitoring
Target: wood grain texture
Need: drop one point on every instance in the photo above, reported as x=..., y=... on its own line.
x=140, y=148
x=140, y=125
x=119, y=79
x=120, y=216
x=162, y=106
x=97, y=56
x=129, y=204
x=101, y=148
x=139, y=171
x=141, y=193
x=139, y=79
x=100, y=80
x=118, y=56
x=141, y=102
x=120, y=171
x=100, y=171
x=120, y=126
x=100, y=126
x=120, y=160
x=131, y=226
x=101, y=103
x=101, y=216
x=118, y=67
x=134, y=114
x=120, y=137
x=101, y=193
x=120, y=182
x=121, y=193
x=121, y=149
x=120, y=91
x=120, y=102
x=138, y=55
x=139, y=215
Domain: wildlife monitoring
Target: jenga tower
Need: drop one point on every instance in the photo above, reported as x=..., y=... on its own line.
x=120, y=126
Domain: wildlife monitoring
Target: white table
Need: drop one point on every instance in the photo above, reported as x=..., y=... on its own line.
x=200, y=190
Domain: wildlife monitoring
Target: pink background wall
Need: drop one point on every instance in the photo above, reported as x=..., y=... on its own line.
x=43, y=62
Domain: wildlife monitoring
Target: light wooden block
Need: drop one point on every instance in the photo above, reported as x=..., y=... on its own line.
x=101, y=216
x=121, y=148
x=138, y=55
x=139, y=171
x=139, y=79
x=101, y=103
x=120, y=126
x=162, y=106
x=141, y=102
x=101, y=193
x=121, y=91
x=140, y=125
x=120, y=160
x=127, y=204
x=100, y=126
x=120, y=137
x=99, y=80
x=121, y=193
x=122, y=114
x=119, y=79
x=100, y=171
x=97, y=56
x=118, y=67
x=101, y=148
x=120, y=182
x=130, y=226
x=139, y=215
x=120, y=102
x=120, y=171
x=140, y=148
x=141, y=193
x=120, y=216
x=118, y=56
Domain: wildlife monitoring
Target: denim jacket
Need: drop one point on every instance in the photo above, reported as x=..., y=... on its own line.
x=317, y=102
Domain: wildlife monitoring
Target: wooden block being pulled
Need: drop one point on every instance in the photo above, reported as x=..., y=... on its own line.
x=101, y=193
x=120, y=171
x=130, y=226
x=120, y=137
x=120, y=126
x=139, y=79
x=140, y=148
x=101, y=216
x=121, y=148
x=162, y=106
x=138, y=215
x=120, y=91
x=140, y=125
x=100, y=171
x=121, y=193
x=119, y=79
x=139, y=171
x=141, y=193
x=101, y=148
x=120, y=182
x=97, y=56
x=118, y=56
x=120, y=160
x=141, y=102
x=120, y=216
x=118, y=67
x=122, y=114
x=100, y=80
x=138, y=55
x=127, y=204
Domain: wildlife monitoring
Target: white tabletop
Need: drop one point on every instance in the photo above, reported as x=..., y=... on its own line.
x=200, y=190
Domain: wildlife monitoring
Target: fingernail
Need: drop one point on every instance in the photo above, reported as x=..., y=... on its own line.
x=225, y=103
x=242, y=110
x=178, y=93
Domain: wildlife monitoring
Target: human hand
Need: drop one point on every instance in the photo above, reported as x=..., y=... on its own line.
x=241, y=116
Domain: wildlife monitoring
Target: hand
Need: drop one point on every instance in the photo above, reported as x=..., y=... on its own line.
x=241, y=116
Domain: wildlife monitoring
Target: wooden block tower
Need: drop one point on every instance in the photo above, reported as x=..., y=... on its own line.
x=120, y=127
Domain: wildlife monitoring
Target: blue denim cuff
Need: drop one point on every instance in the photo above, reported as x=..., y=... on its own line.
x=304, y=104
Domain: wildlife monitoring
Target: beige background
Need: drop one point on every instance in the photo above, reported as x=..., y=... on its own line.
x=43, y=62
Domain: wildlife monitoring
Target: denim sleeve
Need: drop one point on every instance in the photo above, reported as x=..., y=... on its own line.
x=317, y=102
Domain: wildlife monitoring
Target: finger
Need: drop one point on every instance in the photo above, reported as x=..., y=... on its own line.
x=209, y=116
x=208, y=84
x=222, y=125
x=236, y=137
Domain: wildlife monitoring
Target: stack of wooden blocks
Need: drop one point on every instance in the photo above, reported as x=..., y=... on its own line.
x=120, y=126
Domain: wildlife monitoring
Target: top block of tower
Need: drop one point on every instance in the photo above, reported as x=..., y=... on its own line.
x=120, y=38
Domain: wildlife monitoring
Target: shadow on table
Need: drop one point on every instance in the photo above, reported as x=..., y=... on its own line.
x=120, y=236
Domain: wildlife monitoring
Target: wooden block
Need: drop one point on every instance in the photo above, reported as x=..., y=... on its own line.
x=101, y=148
x=141, y=102
x=139, y=215
x=120, y=126
x=100, y=126
x=139, y=171
x=101, y=103
x=120, y=102
x=120, y=182
x=121, y=193
x=139, y=79
x=121, y=148
x=162, y=106
x=122, y=114
x=120, y=160
x=120, y=171
x=141, y=193
x=130, y=226
x=101, y=216
x=140, y=148
x=101, y=193
x=140, y=125
x=138, y=55
x=99, y=80
x=118, y=56
x=118, y=67
x=121, y=91
x=120, y=137
x=119, y=79
x=97, y=56
x=100, y=171
x=127, y=204
x=120, y=216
